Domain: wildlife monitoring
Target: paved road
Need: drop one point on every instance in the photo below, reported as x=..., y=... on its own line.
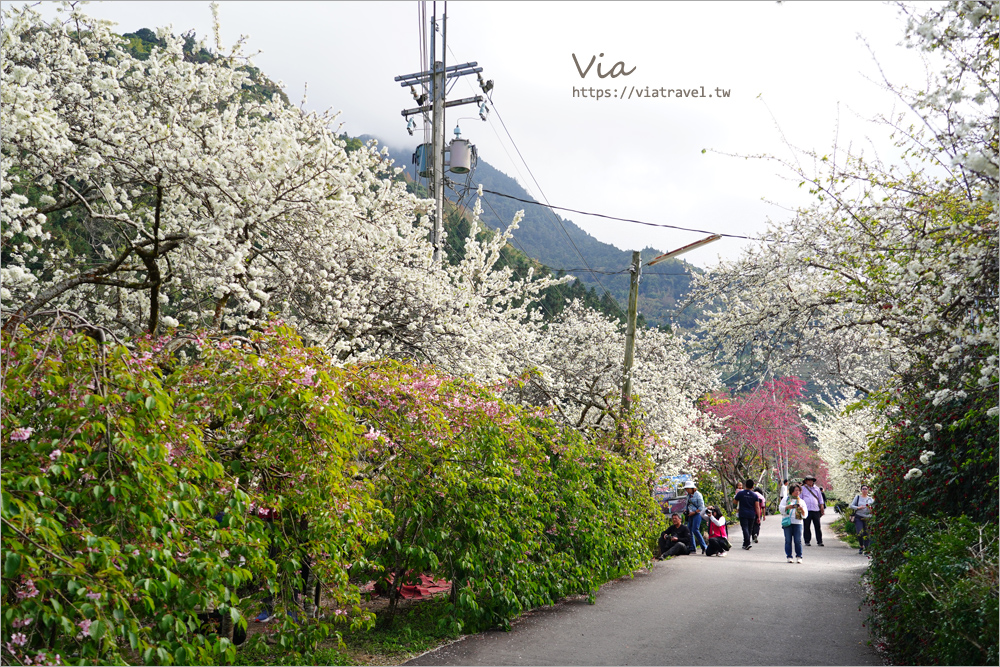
x=751, y=608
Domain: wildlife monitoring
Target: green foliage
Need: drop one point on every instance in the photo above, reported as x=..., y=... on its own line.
x=949, y=578
x=129, y=481
x=108, y=547
x=958, y=487
x=146, y=485
x=516, y=511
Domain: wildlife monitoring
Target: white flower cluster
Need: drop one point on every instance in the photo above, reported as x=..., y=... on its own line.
x=153, y=193
x=842, y=432
x=895, y=264
x=169, y=198
x=580, y=359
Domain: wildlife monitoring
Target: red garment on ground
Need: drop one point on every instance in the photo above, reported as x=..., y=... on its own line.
x=427, y=587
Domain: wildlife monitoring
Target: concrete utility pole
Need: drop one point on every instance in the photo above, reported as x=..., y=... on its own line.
x=438, y=92
x=633, y=313
x=435, y=80
x=633, y=310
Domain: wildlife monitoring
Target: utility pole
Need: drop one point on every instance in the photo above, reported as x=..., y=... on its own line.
x=633, y=313
x=435, y=80
x=438, y=93
x=633, y=310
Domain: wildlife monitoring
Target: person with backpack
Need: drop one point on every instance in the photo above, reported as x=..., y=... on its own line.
x=749, y=509
x=813, y=498
x=862, y=507
x=793, y=510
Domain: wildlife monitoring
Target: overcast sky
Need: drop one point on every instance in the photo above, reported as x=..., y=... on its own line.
x=797, y=73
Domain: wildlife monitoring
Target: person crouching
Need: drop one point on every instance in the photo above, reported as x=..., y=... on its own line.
x=674, y=540
x=718, y=534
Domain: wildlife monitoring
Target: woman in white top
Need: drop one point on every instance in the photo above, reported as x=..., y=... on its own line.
x=792, y=510
x=862, y=506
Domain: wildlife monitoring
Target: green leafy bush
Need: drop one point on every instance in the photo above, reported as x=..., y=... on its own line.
x=950, y=579
x=130, y=479
x=925, y=521
x=109, y=543
x=514, y=510
x=146, y=485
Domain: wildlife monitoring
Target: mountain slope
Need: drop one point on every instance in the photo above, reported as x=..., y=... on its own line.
x=547, y=237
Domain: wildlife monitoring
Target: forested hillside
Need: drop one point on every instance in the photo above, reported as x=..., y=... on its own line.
x=546, y=237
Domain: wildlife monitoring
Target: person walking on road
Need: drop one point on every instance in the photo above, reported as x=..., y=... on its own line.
x=761, y=515
x=817, y=508
x=748, y=508
x=674, y=540
x=694, y=509
x=792, y=510
x=862, y=506
x=784, y=489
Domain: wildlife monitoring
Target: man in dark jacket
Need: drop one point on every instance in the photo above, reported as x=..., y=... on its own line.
x=748, y=504
x=674, y=540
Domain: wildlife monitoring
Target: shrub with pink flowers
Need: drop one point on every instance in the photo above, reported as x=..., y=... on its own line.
x=148, y=485
x=144, y=520
x=513, y=509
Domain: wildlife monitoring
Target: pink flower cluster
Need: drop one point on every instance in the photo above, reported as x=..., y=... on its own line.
x=21, y=433
x=26, y=590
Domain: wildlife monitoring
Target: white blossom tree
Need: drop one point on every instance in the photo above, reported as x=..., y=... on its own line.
x=148, y=193
x=892, y=274
x=580, y=359
x=141, y=193
x=843, y=432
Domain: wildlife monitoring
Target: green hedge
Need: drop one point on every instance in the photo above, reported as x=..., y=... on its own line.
x=932, y=583
x=145, y=484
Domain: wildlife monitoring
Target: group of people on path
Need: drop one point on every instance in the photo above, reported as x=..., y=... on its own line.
x=800, y=509
x=684, y=536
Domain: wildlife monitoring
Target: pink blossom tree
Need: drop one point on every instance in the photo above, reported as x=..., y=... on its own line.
x=762, y=431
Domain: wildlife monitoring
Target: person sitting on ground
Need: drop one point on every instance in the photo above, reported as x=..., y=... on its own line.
x=718, y=534
x=674, y=540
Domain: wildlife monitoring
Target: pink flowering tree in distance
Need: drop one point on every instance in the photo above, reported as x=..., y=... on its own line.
x=762, y=431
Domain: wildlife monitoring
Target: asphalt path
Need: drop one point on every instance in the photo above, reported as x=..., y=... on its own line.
x=750, y=608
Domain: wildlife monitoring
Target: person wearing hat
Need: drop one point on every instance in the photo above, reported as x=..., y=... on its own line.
x=813, y=498
x=695, y=508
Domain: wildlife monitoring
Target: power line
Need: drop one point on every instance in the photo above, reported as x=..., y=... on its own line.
x=611, y=217
x=540, y=301
x=541, y=192
x=556, y=269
